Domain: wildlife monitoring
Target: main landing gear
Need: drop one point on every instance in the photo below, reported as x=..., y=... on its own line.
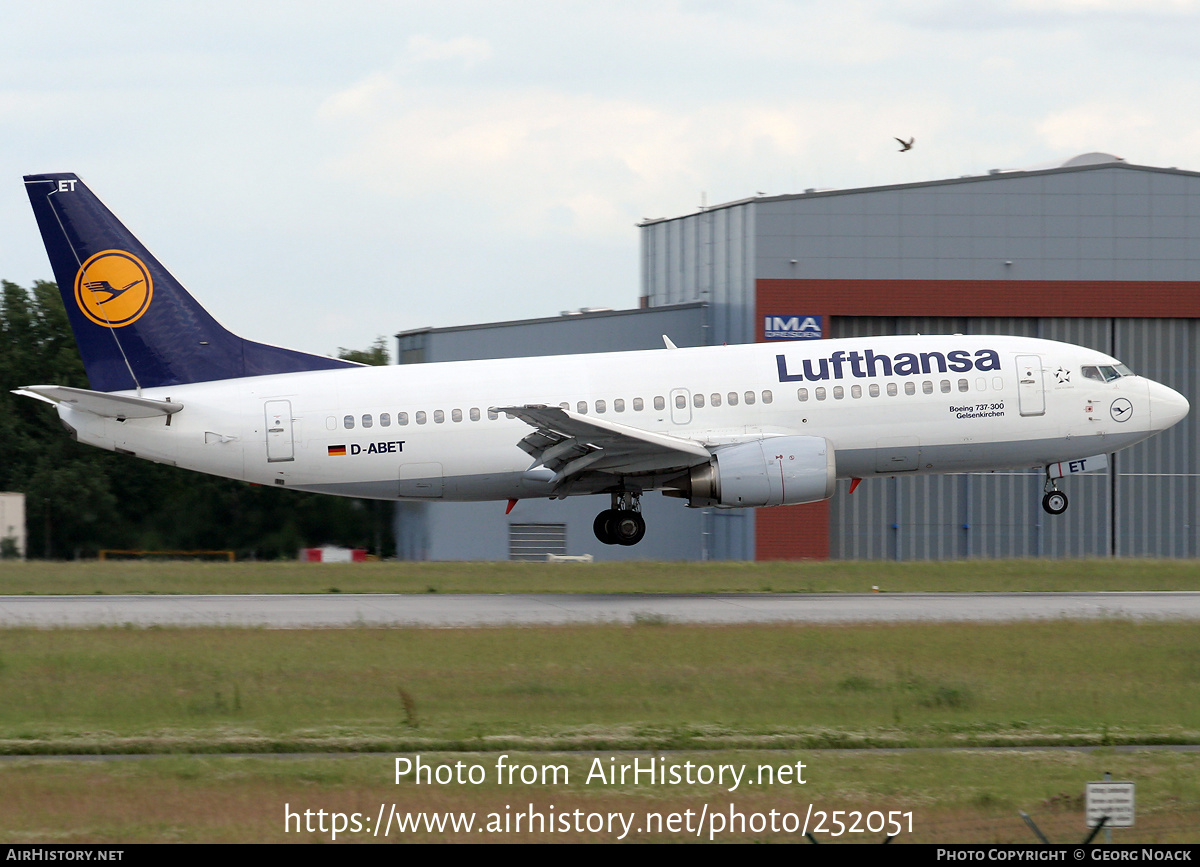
x=622, y=524
x=1054, y=501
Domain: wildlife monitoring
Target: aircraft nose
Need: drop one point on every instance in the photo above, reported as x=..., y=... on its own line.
x=1167, y=406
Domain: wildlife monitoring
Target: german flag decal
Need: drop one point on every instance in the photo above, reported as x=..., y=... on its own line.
x=337, y=450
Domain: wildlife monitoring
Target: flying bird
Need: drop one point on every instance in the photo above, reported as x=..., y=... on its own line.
x=905, y=145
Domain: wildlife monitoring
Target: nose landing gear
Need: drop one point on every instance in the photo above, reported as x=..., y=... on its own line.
x=622, y=524
x=1054, y=501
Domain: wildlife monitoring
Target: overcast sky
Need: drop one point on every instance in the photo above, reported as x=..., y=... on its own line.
x=319, y=174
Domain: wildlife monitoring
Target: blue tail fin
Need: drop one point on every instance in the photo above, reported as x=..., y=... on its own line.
x=136, y=326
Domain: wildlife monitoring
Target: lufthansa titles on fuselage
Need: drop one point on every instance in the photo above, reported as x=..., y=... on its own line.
x=869, y=364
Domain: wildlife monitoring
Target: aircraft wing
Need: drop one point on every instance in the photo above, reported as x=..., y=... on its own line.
x=100, y=403
x=570, y=444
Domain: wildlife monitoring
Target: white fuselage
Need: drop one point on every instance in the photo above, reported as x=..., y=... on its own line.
x=888, y=405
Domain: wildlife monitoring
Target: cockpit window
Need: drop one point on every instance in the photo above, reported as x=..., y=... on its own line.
x=1105, y=372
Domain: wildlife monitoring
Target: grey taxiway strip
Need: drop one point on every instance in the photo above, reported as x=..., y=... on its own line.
x=350, y=610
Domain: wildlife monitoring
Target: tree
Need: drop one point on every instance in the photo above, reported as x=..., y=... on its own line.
x=376, y=355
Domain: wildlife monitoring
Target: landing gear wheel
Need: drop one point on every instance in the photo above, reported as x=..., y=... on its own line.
x=601, y=526
x=628, y=527
x=1055, y=502
x=622, y=524
x=619, y=527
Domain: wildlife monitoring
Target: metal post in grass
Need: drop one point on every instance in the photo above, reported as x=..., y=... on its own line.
x=1108, y=774
x=1032, y=827
x=1103, y=823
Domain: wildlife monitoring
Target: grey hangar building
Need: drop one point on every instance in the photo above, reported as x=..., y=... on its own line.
x=1096, y=251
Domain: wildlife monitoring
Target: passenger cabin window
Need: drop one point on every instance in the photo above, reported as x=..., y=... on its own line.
x=601, y=406
x=474, y=413
x=733, y=398
x=715, y=399
x=401, y=418
x=856, y=391
x=638, y=404
x=680, y=401
x=838, y=392
x=439, y=417
x=385, y=419
x=493, y=414
x=581, y=407
x=963, y=385
x=421, y=416
x=660, y=403
x=911, y=387
x=767, y=396
x=618, y=404
x=821, y=393
x=456, y=415
x=802, y=394
x=366, y=420
x=945, y=386
x=698, y=400
x=874, y=389
x=997, y=383
x=348, y=422
x=892, y=389
x=749, y=398
x=927, y=387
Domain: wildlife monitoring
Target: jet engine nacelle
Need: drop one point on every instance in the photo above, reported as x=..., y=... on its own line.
x=777, y=471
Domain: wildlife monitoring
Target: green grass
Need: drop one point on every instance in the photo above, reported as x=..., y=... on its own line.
x=752, y=694
x=954, y=796
x=602, y=687
x=639, y=577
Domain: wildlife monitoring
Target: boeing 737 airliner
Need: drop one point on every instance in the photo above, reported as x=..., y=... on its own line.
x=726, y=426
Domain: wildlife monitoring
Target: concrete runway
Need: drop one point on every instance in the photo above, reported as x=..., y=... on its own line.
x=350, y=610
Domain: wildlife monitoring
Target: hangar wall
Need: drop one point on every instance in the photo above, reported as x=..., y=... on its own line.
x=568, y=334
x=1100, y=220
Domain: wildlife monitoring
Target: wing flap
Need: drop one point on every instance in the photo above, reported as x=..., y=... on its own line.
x=570, y=444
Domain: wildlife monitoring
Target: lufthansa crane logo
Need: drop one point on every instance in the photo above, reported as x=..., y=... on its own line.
x=1121, y=409
x=113, y=288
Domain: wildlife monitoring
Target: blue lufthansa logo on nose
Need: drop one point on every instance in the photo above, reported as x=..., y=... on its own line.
x=1121, y=409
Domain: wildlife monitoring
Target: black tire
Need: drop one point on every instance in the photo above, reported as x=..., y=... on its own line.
x=628, y=527
x=602, y=526
x=1055, y=502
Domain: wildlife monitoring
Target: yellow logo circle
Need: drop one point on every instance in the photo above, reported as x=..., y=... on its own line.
x=113, y=288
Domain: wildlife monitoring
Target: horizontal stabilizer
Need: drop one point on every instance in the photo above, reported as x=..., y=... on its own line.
x=99, y=402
